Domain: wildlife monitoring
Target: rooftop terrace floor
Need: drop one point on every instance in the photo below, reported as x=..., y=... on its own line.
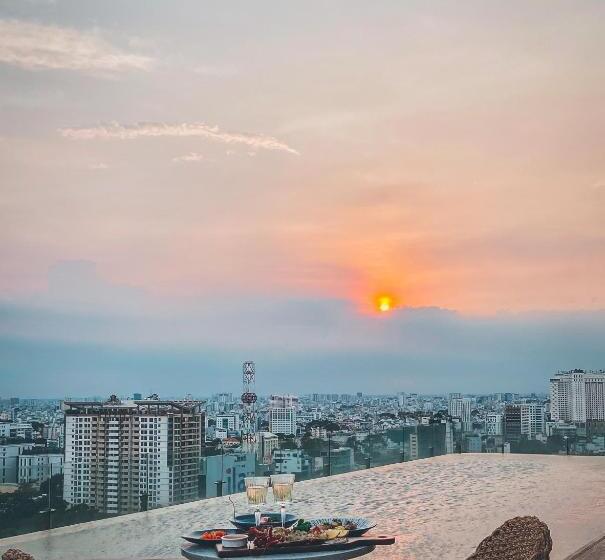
x=439, y=508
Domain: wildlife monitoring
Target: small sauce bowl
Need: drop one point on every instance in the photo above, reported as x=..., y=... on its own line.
x=236, y=540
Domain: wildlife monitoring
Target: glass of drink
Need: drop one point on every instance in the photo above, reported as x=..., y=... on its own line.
x=257, y=488
x=283, y=485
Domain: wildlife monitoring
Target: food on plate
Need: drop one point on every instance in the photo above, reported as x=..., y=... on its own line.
x=302, y=525
x=338, y=524
x=213, y=535
x=278, y=536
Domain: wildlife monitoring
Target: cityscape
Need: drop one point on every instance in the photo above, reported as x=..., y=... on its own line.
x=105, y=457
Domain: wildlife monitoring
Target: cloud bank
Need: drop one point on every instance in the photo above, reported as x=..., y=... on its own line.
x=34, y=47
x=87, y=335
x=115, y=130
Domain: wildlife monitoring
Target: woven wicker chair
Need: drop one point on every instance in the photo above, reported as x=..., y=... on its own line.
x=520, y=538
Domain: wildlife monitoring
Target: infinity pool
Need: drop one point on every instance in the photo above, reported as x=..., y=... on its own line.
x=439, y=508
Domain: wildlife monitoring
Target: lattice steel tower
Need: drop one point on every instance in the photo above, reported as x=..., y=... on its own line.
x=248, y=405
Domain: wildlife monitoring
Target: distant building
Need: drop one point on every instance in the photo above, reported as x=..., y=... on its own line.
x=512, y=423
x=228, y=422
x=493, y=424
x=282, y=414
x=577, y=396
x=232, y=468
x=267, y=442
x=39, y=464
x=291, y=461
x=124, y=456
x=532, y=420
x=319, y=432
x=460, y=407
x=523, y=420
x=16, y=430
x=9, y=461
x=472, y=444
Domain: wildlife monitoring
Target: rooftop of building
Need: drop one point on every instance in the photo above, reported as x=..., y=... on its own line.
x=438, y=508
x=43, y=451
x=150, y=406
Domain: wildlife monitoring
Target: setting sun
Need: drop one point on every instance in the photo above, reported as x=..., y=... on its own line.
x=385, y=303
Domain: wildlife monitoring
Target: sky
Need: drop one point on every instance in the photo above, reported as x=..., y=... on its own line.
x=188, y=185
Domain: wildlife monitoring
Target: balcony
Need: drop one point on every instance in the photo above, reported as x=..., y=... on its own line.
x=439, y=508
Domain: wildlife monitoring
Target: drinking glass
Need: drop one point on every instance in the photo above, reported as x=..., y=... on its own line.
x=283, y=485
x=257, y=488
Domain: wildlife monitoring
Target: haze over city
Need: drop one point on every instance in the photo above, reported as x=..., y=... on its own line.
x=188, y=187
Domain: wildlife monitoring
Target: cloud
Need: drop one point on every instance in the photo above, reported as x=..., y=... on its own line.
x=154, y=130
x=86, y=327
x=187, y=158
x=33, y=46
x=97, y=166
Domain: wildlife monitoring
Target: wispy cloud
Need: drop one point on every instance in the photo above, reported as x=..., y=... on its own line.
x=150, y=130
x=33, y=47
x=98, y=166
x=190, y=157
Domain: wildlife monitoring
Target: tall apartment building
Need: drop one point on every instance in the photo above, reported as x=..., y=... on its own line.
x=577, y=396
x=512, y=422
x=532, y=420
x=460, y=407
x=124, y=456
x=523, y=420
x=282, y=414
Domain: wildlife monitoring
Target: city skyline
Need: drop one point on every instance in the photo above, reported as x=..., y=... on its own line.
x=393, y=197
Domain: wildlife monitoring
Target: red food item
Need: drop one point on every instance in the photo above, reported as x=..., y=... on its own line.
x=213, y=535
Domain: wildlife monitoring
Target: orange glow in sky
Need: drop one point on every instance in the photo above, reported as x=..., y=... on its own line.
x=384, y=303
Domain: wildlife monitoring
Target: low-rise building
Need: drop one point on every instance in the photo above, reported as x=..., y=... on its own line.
x=9, y=461
x=38, y=464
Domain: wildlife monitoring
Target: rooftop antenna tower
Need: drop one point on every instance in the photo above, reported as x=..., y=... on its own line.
x=249, y=406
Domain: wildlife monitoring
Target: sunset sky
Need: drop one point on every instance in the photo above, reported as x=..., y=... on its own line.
x=188, y=185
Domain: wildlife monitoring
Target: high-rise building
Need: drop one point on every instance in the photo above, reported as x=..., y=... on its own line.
x=512, y=422
x=282, y=414
x=532, y=420
x=124, y=456
x=577, y=396
x=282, y=421
x=523, y=420
x=401, y=400
x=460, y=407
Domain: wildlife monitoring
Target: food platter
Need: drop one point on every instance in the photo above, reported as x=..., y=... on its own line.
x=325, y=546
x=315, y=535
